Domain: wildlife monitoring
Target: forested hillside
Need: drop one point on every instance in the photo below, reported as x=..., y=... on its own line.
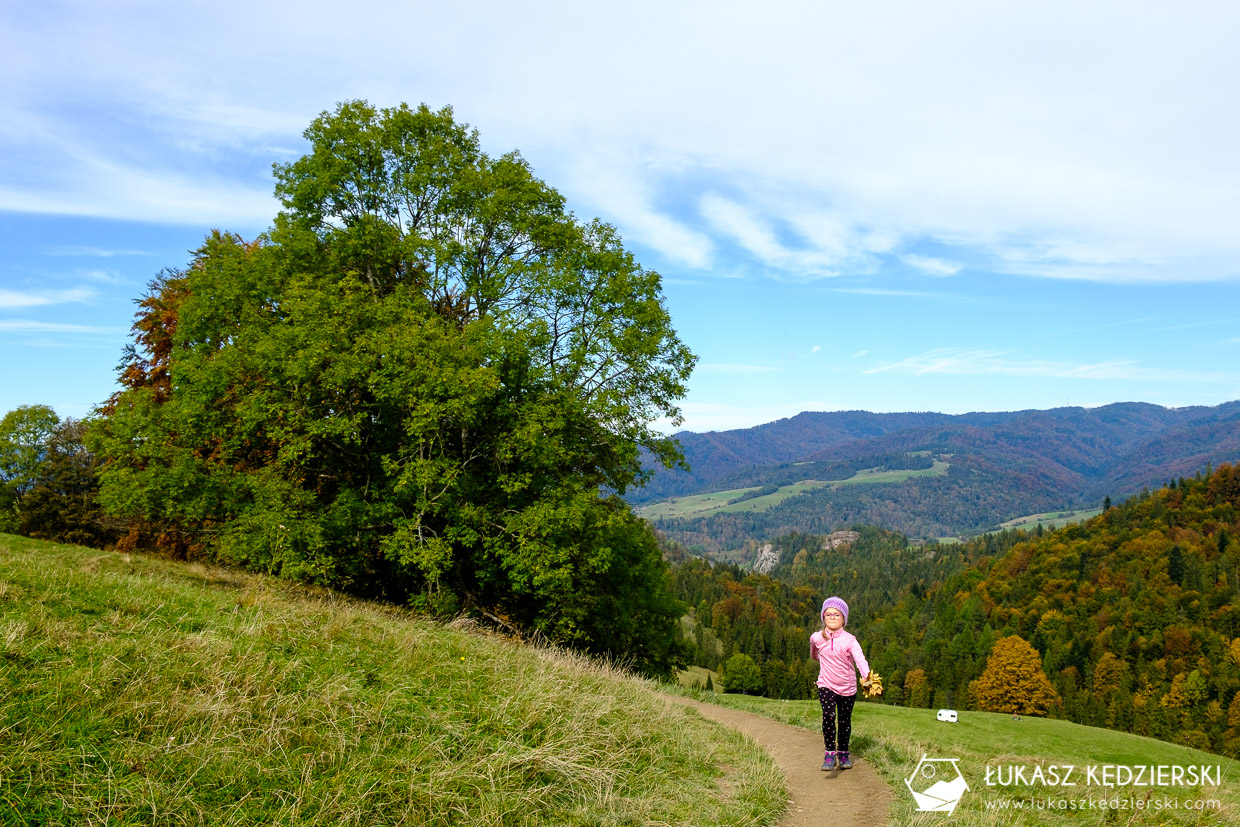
x=768, y=618
x=1134, y=614
x=1001, y=466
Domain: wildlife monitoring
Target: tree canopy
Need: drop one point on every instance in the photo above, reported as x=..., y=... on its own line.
x=428, y=382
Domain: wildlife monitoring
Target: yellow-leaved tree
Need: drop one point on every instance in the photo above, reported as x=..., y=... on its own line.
x=1013, y=680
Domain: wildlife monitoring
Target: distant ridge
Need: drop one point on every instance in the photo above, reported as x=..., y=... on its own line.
x=1004, y=464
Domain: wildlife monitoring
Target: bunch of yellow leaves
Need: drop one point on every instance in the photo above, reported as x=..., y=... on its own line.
x=873, y=684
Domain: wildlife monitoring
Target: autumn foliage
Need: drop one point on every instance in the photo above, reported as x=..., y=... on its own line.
x=1014, y=681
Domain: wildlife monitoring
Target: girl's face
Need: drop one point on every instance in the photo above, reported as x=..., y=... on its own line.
x=833, y=620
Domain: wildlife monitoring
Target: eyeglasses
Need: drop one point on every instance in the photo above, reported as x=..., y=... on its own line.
x=831, y=614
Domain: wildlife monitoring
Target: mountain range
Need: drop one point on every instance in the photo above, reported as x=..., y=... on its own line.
x=998, y=466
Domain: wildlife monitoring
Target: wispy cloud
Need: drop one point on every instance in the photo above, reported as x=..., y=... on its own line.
x=941, y=297
x=28, y=326
x=103, y=276
x=883, y=291
x=755, y=228
x=38, y=298
x=1101, y=165
x=987, y=361
x=606, y=181
x=859, y=354
x=931, y=266
x=94, y=252
x=744, y=227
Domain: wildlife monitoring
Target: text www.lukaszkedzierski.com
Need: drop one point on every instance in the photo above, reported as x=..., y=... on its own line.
x=1114, y=803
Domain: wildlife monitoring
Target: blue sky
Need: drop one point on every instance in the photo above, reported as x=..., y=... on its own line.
x=887, y=206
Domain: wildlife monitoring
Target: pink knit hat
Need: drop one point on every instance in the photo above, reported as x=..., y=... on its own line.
x=836, y=603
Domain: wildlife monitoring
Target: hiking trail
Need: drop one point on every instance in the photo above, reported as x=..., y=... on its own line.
x=815, y=798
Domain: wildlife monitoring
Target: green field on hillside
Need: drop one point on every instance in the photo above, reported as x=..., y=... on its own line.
x=718, y=502
x=135, y=691
x=1050, y=520
x=690, y=506
x=879, y=475
x=895, y=739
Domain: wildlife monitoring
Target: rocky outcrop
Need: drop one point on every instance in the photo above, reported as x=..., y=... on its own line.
x=768, y=558
x=839, y=538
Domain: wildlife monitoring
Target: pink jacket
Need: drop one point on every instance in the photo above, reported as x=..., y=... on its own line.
x=839, y=659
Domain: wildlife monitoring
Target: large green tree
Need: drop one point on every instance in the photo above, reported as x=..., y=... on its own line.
x=429, y=381
x=62, y=504
x=24, y=435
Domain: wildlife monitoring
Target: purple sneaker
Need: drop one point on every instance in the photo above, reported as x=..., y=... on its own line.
x=828, y=761
x=845, y=761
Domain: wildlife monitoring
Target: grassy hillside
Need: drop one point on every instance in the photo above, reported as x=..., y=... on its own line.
x=138, y=691
x=894, y=739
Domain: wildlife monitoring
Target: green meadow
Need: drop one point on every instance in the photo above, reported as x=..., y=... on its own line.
x=1050, y=520
x=718, y=502
x=878, y=475
x=693, y=505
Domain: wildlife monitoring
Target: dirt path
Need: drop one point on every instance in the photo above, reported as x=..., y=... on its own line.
x=816, y=798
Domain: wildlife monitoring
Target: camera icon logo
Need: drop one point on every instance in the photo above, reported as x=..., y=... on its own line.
x=937, y=785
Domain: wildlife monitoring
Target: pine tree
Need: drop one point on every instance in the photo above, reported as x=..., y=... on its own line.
x=1013, y=680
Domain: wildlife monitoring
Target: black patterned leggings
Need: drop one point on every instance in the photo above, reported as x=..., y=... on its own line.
x=831, y=701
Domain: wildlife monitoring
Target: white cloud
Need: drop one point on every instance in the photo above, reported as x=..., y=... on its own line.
x=38, y=298
x=753, y=227
x=28, y=326
x=103, y=276
x=931, y=266
x=850, y=127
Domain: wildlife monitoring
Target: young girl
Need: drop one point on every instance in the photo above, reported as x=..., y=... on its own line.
x=839, y=659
